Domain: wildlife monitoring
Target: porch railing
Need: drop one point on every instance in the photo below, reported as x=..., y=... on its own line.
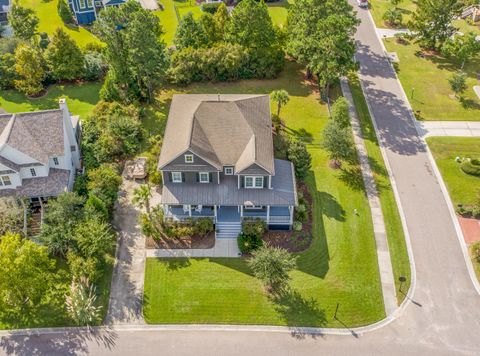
x=272, y=220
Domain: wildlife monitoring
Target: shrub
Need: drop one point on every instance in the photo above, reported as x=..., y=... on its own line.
x=301, y=213
x=297, y=226
x=340, y=112
x=80, y=267
x=211, y=7
x=81, y=303
x=249, y=242
x=393, y=17
x=297, y=153
x=203, y=226
x=94, y=66
x=64, y=12
x=94, y=206
x=476, y=251
x=256, y=227
x=471, y=166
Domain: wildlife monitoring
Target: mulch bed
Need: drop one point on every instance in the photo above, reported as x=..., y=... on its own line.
x=207, y=241
x=294, y=241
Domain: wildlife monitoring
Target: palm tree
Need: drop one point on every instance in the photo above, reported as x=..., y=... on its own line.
x=141, y=197
x=281, y=98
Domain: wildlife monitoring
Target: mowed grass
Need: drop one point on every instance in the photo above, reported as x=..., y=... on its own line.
x=81, y=99
x=393, y=223
x=168, y=16
x=278, y=11
x=339, y=268
x=463, y=188
x=433, y=98
x=379, y=7
x=47, y=12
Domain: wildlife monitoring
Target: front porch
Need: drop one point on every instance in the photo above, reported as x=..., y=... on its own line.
x=272, y=215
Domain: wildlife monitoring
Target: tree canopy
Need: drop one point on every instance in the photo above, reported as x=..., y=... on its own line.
x=64, y=58
x=30, y=69
x=24, y=22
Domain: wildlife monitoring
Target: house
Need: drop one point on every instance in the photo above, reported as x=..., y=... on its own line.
x=39, y=153
x=4, y=9
x=217, y=161
x=85, y=11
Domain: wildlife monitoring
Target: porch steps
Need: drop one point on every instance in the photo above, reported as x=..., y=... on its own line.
x=227, y=230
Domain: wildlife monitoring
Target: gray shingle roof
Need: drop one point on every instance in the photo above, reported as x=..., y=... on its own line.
x=37, y=134
x=55, y=183
x=227, y=129
x=283, y=191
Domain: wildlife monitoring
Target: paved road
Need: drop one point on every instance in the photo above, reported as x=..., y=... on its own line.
x=445, y=319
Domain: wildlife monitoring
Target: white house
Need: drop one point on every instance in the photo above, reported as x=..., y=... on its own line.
x=39, y=153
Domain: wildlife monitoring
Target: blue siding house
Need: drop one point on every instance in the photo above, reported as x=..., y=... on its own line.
x=85, y=11
x=4, y=9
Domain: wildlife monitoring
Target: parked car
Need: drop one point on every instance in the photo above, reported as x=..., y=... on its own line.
x=363, y=4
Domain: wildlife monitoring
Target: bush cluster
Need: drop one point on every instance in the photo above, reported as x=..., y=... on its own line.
x=250, y=238
x=471, y=166
x=210, y=8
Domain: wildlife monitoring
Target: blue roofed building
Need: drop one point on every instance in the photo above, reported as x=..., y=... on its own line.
x=86, y=11
x=4, y=9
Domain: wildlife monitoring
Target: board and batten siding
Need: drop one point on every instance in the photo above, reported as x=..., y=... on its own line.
x=179, y=165
x=191, y=177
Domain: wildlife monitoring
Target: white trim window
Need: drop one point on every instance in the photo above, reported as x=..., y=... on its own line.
x=90, y=3
x=177, y=177
x=254, y=182
x=5, y=180
x=55, y=161
x=81, y=3
x=188, y=158
x=254, y=207
x=33, y=173
x=204, y=177
x=228, y=171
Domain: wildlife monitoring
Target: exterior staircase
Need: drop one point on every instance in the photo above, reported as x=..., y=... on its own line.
x=228, y=229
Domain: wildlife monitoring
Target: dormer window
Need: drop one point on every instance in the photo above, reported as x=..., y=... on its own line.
x=5, y=180
x=188, y=158
x=33, y=172
x=55, y=161
x=253, y=182
x=228, y=171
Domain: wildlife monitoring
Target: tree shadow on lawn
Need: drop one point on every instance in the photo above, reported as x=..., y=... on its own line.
x=298, y=311
x=237, y=264
x=300, y=134
x=175, y=264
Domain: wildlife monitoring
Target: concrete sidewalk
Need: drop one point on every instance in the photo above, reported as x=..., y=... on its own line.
x=448, y=128
x=223, y=248
x=383, y=254
x=389, y=32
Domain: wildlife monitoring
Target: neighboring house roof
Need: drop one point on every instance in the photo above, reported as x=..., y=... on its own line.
x=39, y=135
x=54, y=184
x=227, y=129
x=227, y=193
x=111, y=2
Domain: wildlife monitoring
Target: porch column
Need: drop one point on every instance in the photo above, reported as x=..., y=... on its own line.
x=241, y=211
x=215, y=212
x=190, y=210
x=290, y=209
x=268, y=214
x=238, y=181
x=165, y=209
x=218, y=176
x=269, y=182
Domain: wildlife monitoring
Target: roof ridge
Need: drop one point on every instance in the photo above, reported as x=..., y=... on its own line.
x=33, y=140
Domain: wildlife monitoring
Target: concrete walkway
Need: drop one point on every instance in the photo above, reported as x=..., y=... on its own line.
x=223, y=248
x=448, y=128
x=380, y=232
x=126, y=294
x=389, y=32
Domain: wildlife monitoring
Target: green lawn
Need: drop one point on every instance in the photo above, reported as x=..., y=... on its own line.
x=340, y=267
x=46, y=11
x=395, y=235
x=379, y=7
x=81, y=99
x=433, y=98
x=462, y=187
x=278, y=11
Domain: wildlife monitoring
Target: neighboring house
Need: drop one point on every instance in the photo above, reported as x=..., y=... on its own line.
x=4, y=9
x=86, y=11
x=217, y=161
x=39, y=153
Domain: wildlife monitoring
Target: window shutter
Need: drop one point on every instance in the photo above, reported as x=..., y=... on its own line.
x=197, y=175
x=210, y=178
x=183, y=177
x=170, y=177
x=242, y=182
x=265, y=182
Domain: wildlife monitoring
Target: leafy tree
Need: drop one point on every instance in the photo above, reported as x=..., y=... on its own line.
x=210, y=29
x=93, y=237
x=395, y=2
x=24, y=22
x=44, y=40
x=95, y=207
x=432, y=22
x=81, y=303
x=340, y=112
x=141, y=197
x=11, y=216
x=190, y=33
x=251, y=26
x=272, y=266
x=302, y=161
x=64, y=58
x=61, y=217
x=458, y=82
x=95, y=66
x=338, y=141
x=320, y=36
x=30, y=68
x=134, y=52
x=222, y=20
x=8, y=75
x=281, y=98
x=25, y=276
x=393, y=17
x=65, y=12
x=462, y=48
x=104, y=182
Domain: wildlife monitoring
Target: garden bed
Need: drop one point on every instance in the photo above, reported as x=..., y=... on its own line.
x=294, y=241
x=203, y=242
